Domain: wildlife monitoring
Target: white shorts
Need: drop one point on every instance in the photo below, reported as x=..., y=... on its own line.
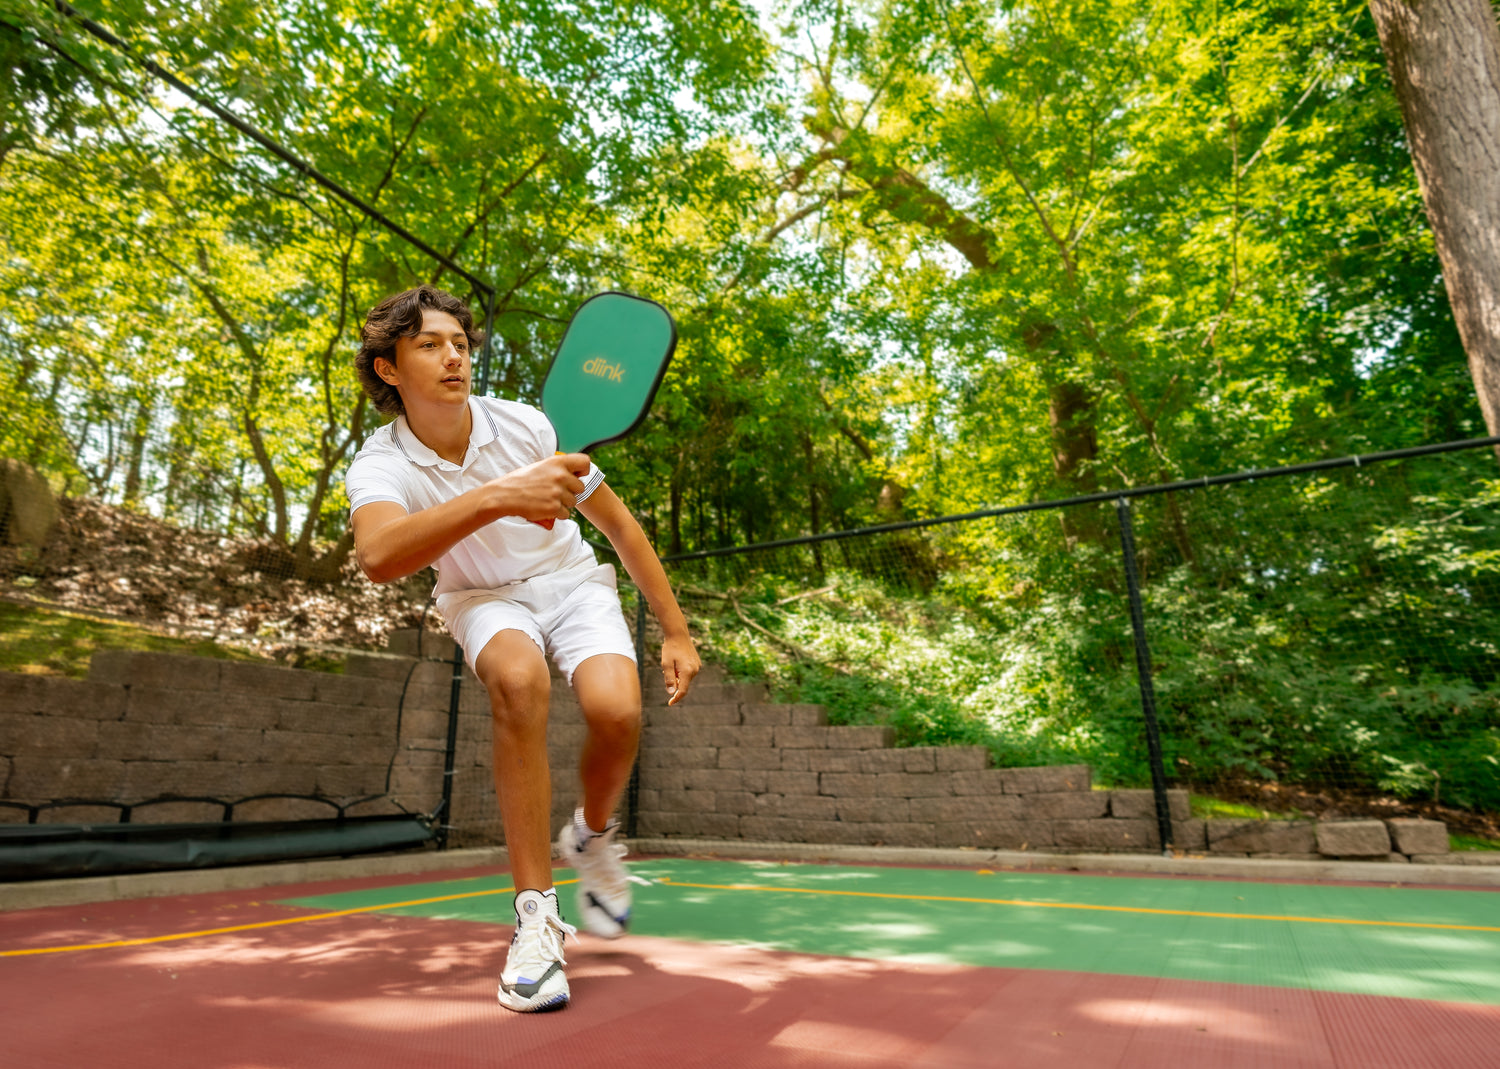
x=570, y=615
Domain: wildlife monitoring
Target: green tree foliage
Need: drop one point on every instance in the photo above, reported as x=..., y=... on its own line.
x=1146, y=242
x=1337, y=630
x=926, y=256
x=219, y=301
x=1098, y=246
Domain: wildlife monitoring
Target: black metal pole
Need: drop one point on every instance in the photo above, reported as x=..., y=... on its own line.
x=1143, y=671
x=633, y=792
x=450, y=751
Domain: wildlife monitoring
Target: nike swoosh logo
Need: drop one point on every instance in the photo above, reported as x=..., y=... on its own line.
x=528, y=988
x=622, y=920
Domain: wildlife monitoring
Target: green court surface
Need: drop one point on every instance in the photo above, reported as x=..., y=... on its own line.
x=1415, y=943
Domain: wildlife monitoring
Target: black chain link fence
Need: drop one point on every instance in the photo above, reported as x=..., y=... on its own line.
x=1321, y=636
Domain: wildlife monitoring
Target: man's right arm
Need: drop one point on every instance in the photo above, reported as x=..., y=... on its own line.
x=391, y=543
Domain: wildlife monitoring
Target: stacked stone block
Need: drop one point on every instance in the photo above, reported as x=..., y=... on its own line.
x=146, y=725
x=1399, y=840
x=726, y=764
x=738, y=767
x=475, y=818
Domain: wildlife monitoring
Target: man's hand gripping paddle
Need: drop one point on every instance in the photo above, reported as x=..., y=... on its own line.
x=606, y=371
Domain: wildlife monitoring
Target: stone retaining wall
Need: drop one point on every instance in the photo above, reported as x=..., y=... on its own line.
x=1399, y=840
x=727, y=764
x=145, y=725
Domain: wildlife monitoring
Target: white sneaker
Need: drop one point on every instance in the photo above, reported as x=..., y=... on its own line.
x=533, y=979
x=603, y=883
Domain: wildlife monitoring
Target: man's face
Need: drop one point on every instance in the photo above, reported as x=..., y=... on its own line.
x=432, y=366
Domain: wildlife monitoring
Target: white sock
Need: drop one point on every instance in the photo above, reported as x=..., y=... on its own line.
x=582, y=833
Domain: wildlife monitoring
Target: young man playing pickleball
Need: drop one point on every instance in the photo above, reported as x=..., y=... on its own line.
x=460, y=483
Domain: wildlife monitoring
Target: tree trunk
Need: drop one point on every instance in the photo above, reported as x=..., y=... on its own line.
x=1444, y=59
x=133, y=471
x=1075, y=442
x=326, y=567
x=1070, y=414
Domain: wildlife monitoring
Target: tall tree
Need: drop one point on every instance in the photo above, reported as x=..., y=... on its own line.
x=538, y=145
x=1444, y=59
x=1168, y=235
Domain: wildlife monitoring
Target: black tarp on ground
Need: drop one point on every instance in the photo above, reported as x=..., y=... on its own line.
x=48, y=851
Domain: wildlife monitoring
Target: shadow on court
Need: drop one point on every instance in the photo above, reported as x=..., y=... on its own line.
x=402, y=973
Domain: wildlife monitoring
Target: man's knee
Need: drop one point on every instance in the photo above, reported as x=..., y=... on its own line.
x=610, y=695
x=514, y=673
x=616, y=721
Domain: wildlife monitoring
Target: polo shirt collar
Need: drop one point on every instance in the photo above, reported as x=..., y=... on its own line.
x=482, y=431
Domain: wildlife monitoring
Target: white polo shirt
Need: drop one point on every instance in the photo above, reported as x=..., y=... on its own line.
x=393, y=465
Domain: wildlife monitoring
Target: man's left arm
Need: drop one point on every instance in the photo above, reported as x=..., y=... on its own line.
x=679, y=658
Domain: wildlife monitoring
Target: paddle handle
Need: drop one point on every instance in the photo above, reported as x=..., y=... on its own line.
x=547, y=523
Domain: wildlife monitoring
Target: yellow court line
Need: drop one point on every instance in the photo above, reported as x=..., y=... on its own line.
x=258, y=924
x=756, y=887
x=1079, y=905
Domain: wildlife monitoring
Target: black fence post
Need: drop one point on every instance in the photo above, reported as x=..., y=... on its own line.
x=633, y=791
x=1143, y=671
x=450, y=751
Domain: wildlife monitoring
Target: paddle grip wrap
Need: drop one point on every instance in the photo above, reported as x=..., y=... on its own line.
x=547, y=524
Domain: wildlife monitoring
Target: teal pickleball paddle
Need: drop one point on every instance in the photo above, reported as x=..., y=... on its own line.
x=606, y=370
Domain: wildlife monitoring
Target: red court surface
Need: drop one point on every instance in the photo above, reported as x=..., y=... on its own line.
x=372, y=989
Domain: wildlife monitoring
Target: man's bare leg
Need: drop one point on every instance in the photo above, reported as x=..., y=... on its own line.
x=609, y=692
x=515, y=674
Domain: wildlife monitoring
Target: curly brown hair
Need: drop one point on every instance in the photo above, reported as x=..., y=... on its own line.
x=400, y=316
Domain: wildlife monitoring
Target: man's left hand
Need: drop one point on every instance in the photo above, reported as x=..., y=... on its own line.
x=679, y=664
